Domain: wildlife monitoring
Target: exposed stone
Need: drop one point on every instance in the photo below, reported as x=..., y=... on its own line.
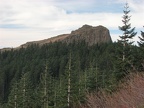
x=91, y=35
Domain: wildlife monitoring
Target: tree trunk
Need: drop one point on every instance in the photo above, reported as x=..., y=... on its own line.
x=69, y=82
x=45, y=89
x=15, y=96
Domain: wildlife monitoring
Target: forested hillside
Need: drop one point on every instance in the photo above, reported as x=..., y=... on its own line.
x=82, y=69
x=57, y=75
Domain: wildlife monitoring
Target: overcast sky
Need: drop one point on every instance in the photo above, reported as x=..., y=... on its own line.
x=29, y=20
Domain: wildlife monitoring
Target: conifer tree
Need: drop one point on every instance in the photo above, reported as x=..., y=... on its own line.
x=62, y=92
x=55, y=92
x=21, y=93
x=125, y=59
x=92, y=75
x=44, y=88
x=79, y=84
x=25, y=92
x=141, y=43
x=69, y=92
x=69, y=81
x=13, y=96
x=128, y=32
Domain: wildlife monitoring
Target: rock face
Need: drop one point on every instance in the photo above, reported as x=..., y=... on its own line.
x=91, y=35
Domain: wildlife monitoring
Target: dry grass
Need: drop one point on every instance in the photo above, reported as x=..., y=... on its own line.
x=129, y=95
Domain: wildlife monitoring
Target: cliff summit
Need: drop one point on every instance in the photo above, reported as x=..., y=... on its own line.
x=89, y=34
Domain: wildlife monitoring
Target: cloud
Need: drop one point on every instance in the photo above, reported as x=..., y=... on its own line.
x=50, y=16
x=27, y=20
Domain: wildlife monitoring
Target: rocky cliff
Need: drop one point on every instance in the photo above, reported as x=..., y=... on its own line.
x=91, y=35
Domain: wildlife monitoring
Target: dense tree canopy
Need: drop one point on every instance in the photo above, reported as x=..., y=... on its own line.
x=25, y=70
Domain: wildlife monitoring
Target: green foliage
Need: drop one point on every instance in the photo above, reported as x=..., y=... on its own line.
x=128, y=32
x=141, y=50
x=141, y=43
x=21, y=94
x=24, y=72
x=125, y=52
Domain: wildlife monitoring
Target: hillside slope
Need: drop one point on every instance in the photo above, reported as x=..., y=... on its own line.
x=89, y=34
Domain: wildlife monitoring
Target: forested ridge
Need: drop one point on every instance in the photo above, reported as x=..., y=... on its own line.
x=37, y=76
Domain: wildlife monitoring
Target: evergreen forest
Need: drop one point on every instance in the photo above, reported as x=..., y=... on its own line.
x=57, y=74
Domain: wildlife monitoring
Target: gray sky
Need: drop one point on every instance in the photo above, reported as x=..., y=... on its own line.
x=29, y=20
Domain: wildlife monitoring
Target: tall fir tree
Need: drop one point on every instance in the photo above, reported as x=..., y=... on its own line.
x=45, y=87
x=125, y=59
x=13, y=96
x=21, y=94
x=25, y=92
x=69, y=82
x=128, y=32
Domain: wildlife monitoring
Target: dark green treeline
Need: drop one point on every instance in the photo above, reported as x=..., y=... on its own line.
x=57, y=75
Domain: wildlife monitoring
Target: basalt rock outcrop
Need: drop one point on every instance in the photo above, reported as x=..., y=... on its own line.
x=91, y=35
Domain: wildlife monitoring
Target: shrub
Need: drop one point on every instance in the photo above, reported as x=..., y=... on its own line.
x=129, y=95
